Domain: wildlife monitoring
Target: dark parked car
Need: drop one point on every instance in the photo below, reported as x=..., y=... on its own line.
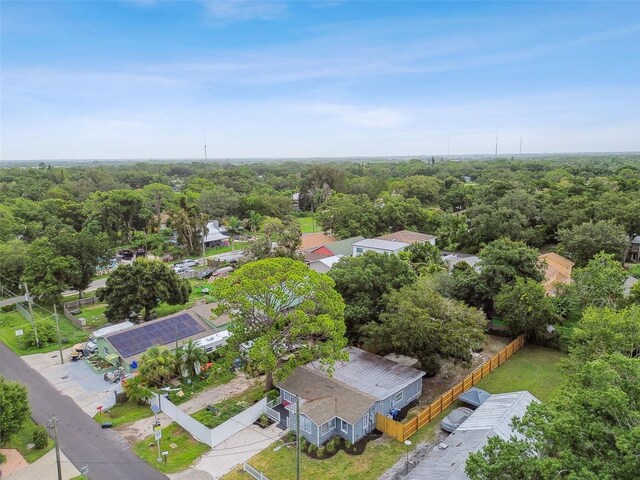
x=455, y=419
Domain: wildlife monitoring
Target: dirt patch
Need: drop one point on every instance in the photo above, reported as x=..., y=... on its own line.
x=452, y=373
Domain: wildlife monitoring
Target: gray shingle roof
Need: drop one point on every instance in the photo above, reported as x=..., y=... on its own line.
x=492, y=418
x=386, y=245
x=344, y=247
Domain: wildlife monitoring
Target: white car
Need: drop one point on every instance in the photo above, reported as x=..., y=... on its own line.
x=191, y=263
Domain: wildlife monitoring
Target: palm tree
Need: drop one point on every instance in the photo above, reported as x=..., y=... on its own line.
x=136, y=390
x=189, y=359
x=157, y=366
x=234, y=227
x=254, y=221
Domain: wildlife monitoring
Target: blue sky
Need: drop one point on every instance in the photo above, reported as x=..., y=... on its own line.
x=156, y=79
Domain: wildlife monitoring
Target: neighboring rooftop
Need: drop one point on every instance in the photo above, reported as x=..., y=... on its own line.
x=314, y=240
x=344, y=247
x=558, y=270
x=454, y=258
x=330, y=261
x=312, y=257
x=377, y=244
x=163, y=331
x=214, y=233
x=323, y=398
x=629, y=282
x=407, y=236
x=492, y=418
x=372, y=374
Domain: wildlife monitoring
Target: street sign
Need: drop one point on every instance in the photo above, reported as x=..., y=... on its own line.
x=157, y=433
x=19, y=332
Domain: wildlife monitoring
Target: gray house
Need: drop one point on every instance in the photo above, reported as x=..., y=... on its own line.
x=346, y=403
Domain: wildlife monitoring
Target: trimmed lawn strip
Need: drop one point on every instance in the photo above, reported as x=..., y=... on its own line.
x=11, y=321
x=533, y=368
x=308, y=225
x=94, y=314
x=230, y=407
x=225, y=249
x=198, y=386
x=188, y=449
x=23, y=437
x=124, y=413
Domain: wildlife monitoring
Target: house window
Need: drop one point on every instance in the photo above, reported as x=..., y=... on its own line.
x=398, y=397
x=288, y=397
x=328, y=427
x=366, y=420
x=344, y=426
x=358, y=249
x=305, y=424
x=106, y=350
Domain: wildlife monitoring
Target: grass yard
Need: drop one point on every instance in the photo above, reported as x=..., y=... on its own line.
x=23, y=437
x=124, y=413
x=226, y=249
x=308, y=225
x=533, y=368
x=94, y=314
x=189, y=391
x=230, y=407
x=11, y=321
x=187, y=449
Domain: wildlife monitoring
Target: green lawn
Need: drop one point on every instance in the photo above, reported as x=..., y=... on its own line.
x=308, y=225
x=23, y=437
x=11, y=321
x=230, y=407
x=124, y=413
x=216, y=250
x=533, y=368
x=94, y=314
x=187, y=449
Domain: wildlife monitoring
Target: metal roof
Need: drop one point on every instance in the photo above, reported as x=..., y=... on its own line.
x=372, y=374
x=111, y=329
x=492, y=418
x=387, y=245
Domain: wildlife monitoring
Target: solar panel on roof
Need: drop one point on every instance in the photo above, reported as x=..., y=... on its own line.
x=160, y=332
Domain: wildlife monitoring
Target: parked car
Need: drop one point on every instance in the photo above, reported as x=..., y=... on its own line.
x=192, y=263
x=179, y=267
x=205, y=274
x=452, y=421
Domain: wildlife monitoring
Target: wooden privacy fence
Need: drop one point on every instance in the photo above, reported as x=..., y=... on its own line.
x=403, y=430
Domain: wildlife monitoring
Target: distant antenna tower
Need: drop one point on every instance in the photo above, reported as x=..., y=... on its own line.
x=449, y=146
x=205, y=152
x=204, y=138
x=521, y=145
x=497, y=127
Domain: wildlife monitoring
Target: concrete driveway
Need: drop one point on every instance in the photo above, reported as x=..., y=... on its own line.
x=44, y=468
x=76, y=379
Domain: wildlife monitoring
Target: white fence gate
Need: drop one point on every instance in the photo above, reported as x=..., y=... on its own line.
x=257, y=474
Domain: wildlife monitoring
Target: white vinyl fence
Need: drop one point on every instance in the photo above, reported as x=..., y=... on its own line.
x=257, y=474
x=210, y=436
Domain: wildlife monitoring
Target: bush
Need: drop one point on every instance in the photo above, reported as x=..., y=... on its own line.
x=46, y=334
x=312, y=448
x=304, y=444
x=321, y=451
x=7, y=308
x=40, y=437
x=332, y=445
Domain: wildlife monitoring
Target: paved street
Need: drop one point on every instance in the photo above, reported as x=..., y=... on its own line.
x=107, y=454
x=96, y=284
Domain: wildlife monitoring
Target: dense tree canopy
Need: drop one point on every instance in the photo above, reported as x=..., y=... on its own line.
x=14, y=408
x=582, y=242
x=600, y=283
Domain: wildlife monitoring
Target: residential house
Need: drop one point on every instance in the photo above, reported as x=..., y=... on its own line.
x=216, y=235
x=346, y=403
x=341, y=247
x=378, y=246
x=557, y=271
x=407, y=236
x=323, y=265
x=634, y=250
x=311, y=241
x=124, y=348
x=295, y=201
x=451, y=259
x=629, y=282
x=493, y=418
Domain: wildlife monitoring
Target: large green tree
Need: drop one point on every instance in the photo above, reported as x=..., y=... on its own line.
x=525, y=308
x=348, y=216
x=142, y=285
x=364, y=281
x=158, y=198
x=591, y=431
x=14, y=408
x=600, y=283
x=423, y=324
x=292, y=315
x=47, y=273
x=278, y=239
x=157, y=366
x=582, y=242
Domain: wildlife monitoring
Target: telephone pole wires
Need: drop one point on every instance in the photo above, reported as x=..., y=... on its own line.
x=53, y=423
x=55, y=315
x=33, y=319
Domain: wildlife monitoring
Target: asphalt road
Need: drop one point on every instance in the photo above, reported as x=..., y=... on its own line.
x=107, y=454
x=96, y=284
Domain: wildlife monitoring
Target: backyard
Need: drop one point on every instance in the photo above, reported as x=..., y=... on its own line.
x=230, y=407
x=24, y=437
x=309, y=225
x=533, y=368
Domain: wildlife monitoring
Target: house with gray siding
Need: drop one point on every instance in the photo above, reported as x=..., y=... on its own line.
x=345, y=404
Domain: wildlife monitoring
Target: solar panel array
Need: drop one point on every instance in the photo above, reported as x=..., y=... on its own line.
x=160, y=332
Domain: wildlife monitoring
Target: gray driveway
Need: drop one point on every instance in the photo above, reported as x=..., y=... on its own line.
x=106, y=453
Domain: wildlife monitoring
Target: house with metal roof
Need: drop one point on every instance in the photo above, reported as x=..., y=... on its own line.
x=493, y=418
x=323, y=265
x=390, y=247
x=341, y=247
x=346, y=403
x=123, y=348
x=407, y=236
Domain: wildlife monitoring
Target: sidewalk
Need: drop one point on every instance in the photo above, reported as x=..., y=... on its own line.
x=45, y=469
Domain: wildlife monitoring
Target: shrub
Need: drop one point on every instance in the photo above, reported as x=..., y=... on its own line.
x=8, y=308
x=304, y=444
x=46, y=334
x=321, y=451
x=348, y=444
x=312, y=448
x=40, y=437
x=331, y=445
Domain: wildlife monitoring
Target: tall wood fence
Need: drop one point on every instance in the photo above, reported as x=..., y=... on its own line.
x=403, y=430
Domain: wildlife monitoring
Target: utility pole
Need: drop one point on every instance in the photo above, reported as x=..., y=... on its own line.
x=55, y=315
x=33, y=320
x=297, y=437
x=54, y=421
